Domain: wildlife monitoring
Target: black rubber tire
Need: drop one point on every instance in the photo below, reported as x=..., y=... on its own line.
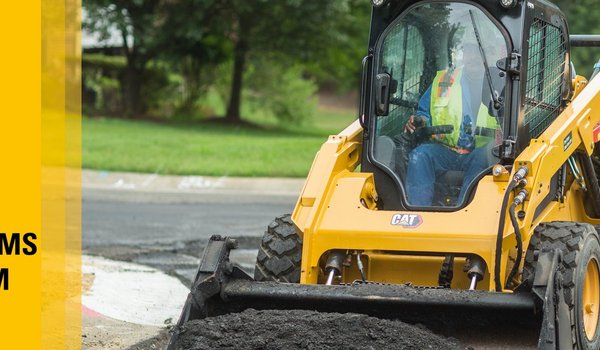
x=579, y=243
x=280, y=252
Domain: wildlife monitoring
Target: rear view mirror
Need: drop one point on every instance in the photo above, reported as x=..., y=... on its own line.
x=382, y=93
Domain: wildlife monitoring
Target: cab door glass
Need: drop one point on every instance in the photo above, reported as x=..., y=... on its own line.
x=445, y=113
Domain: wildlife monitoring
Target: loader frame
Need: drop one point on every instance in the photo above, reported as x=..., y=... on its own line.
x=352, y=206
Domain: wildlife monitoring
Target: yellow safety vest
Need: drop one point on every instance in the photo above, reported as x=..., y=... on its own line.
x=446, y=108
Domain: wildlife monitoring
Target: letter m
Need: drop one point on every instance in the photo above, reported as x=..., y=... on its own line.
x=12, y=246
x=4, y=278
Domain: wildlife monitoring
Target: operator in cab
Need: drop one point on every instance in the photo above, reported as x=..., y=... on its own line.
x=453, y=100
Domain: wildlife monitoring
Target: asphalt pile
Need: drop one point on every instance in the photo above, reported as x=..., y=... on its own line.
x=300, y=329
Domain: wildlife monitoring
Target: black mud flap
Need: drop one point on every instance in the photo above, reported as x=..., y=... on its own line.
x=222, y=288
x=555, y=332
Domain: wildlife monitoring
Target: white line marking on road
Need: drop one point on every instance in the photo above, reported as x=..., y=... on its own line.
x=133, y=293
x=149, y=180
x=122, y=184
x=190, y=182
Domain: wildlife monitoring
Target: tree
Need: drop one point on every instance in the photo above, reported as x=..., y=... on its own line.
x=582, y=21
x=338, y=65
x=198, y=34
x=195, y=44
x=298, y=29
x=179, y=29
x=138, y=23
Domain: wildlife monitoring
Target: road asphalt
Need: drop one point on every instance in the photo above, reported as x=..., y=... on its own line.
x=149, y=228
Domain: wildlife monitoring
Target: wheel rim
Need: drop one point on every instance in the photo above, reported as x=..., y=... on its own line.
x=591, y=298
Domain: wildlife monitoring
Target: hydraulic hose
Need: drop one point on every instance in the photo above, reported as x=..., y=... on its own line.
x=515, y=268
x=497, y=260
x=591, y=179
x=519, y=175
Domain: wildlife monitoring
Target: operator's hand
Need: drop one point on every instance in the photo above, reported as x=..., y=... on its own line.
x=413, y=123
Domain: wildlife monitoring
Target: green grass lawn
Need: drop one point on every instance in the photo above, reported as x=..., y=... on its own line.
x=186, y=148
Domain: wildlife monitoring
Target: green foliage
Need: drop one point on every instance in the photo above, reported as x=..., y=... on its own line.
x=157, y=29
x=161, y=89
x=194, y=37
x=195, y=46
x=338, y=63
x=299, y=30
x=583, y=18
x=280, y=91
x=103, y=82
x=101, y=85
x=114, y=63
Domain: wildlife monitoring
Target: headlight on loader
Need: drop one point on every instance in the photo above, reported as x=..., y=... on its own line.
x=508, y=3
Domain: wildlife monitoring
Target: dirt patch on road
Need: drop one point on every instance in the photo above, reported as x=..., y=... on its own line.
x=299, y=329
x=158, y=342
x=104, y=333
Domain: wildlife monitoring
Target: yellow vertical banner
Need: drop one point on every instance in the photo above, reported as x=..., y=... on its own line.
x=61, y=161
x=20, y=178
x=40, y=210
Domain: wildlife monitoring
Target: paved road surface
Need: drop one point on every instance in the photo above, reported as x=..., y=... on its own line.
x=164, y=222
x=166, y=230
x=117, y=217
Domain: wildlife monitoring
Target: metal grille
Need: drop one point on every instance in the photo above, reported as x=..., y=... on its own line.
x=403, y=58
x=546, y=64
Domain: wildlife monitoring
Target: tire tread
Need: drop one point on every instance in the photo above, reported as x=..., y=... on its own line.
x=280, y=252
x=568, y=237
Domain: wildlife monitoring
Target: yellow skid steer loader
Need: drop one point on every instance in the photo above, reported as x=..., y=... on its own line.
x=468, y=183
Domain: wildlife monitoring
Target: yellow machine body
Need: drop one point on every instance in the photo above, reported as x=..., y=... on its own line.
x=337, y=208
x=519, y=234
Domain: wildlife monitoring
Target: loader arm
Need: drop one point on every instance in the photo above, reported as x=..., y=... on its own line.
x=570, y=134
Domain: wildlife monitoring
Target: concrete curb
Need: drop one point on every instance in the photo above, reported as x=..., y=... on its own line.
x=92, y=179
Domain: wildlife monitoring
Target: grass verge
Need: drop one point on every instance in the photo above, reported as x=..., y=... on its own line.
x=199, y=148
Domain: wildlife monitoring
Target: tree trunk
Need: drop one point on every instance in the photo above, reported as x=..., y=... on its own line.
x=192, y=87
x=132, y=93
x=233, y=109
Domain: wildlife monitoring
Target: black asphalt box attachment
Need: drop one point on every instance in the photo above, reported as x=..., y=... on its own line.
x=221, y=287
x=214, y=270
